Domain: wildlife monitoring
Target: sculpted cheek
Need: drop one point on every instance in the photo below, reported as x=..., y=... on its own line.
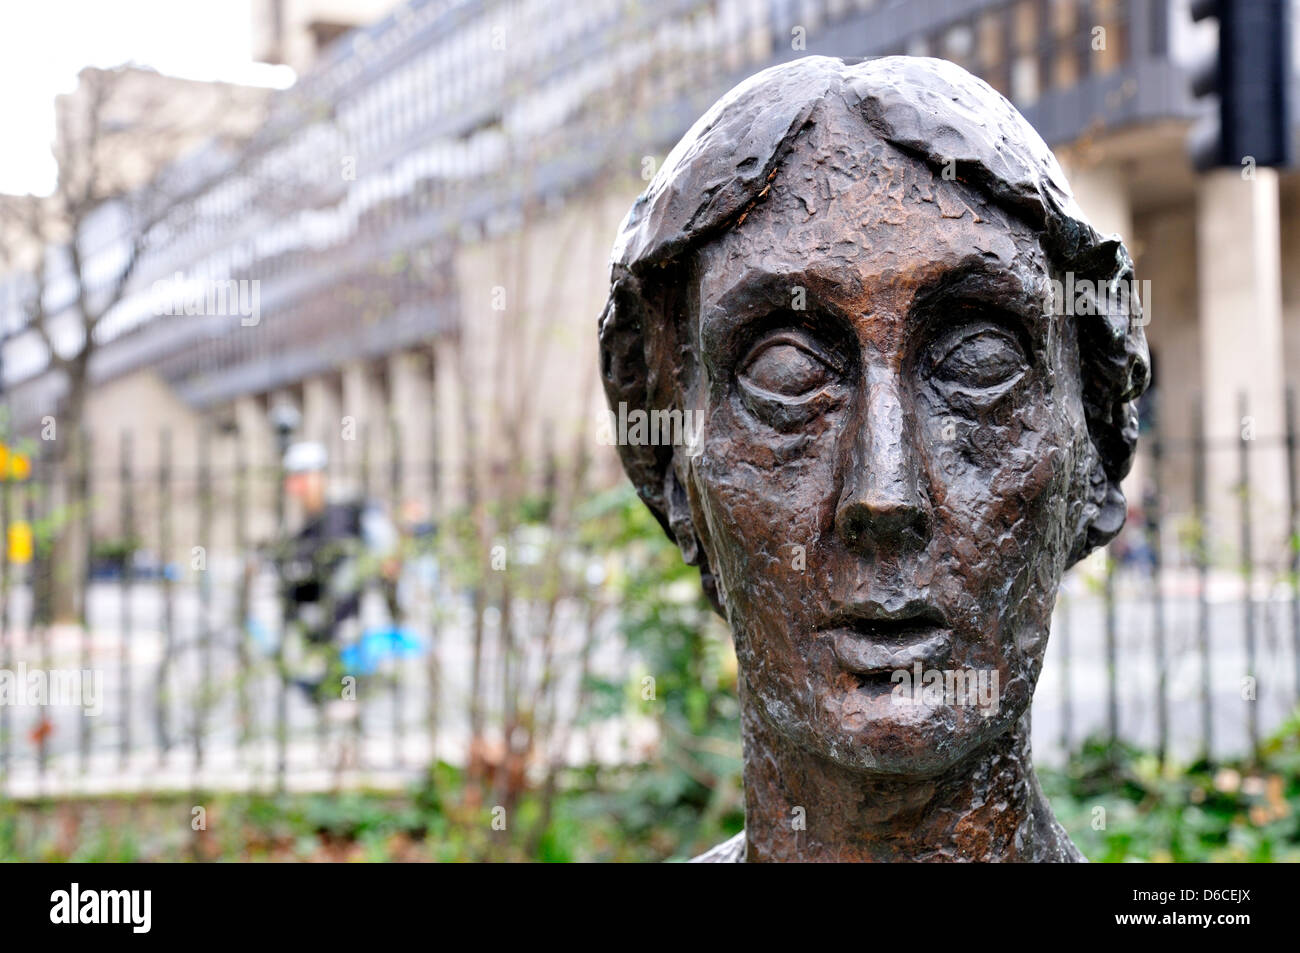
x=762, y=483
x=747, y=508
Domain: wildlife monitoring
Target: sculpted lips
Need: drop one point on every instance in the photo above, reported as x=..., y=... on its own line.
x=869, y=639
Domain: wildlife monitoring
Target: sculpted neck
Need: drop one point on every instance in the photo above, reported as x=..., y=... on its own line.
x=988, y=808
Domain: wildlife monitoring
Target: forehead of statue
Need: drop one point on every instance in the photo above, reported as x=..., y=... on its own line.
x=841, y=191
x=864, y=228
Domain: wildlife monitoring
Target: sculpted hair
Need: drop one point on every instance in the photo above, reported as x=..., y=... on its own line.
x=931, y=110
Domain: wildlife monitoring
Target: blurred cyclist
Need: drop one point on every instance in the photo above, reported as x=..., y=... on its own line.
x=324, y=568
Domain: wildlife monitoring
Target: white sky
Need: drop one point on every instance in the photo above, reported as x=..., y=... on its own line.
x=44, y=43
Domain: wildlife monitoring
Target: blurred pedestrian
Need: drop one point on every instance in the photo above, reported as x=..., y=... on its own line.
x=325, y=567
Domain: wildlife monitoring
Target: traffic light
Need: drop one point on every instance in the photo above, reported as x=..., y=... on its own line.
x=1250, y=74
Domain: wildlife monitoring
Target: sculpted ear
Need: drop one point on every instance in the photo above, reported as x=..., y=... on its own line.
x=1115, y=369
x=1106, y=509
x=680, y=525
x=630, y=379
x=626, y=376
x=687, y=536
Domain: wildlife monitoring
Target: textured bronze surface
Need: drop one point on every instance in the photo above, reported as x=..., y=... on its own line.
x=847, y=271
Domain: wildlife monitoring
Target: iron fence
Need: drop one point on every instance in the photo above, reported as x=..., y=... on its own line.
x=181, y=651
x=180, y=632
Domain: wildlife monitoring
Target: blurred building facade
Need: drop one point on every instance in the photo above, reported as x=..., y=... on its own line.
x=459, y=161
x=297, y=32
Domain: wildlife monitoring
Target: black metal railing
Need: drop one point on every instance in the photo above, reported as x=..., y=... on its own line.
x=1184, y=637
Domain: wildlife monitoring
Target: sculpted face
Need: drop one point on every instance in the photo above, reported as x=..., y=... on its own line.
x=894, y=450
x=845, y=274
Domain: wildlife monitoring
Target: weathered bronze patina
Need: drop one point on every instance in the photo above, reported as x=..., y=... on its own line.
x=852, y=274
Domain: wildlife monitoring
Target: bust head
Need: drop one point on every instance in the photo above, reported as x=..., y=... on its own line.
x=851, y=275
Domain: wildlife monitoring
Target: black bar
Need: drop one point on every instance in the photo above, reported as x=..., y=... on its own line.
x=42, y=589
x=243, y=606
x=1202, y=578
x=6, y=650
x=127, y=510
x=1154, y=512
x=205, y=592
x=358, y=721
x=1248, y=577
x=88, y=541
x=161, y=701
x=390, y=585
x=1293, y=532
x=1063, y=634
x=282, y=697
x=1112, y=688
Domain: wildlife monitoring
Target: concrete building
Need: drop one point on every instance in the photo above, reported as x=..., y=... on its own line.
x=297, y=32
x=428, y=213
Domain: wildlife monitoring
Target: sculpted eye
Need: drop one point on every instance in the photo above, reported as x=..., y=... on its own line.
x=981, y=359
x=784, y=367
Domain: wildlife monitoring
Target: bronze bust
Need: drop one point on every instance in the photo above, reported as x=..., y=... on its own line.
x=852, y=274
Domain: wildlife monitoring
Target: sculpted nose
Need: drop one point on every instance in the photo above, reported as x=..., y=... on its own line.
x=882, y=502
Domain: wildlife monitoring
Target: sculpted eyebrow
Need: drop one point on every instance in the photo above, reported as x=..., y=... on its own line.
x=757, y=293
x=760, y=301
x=754, y=296
x=1000, y=287
x=764, y=287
